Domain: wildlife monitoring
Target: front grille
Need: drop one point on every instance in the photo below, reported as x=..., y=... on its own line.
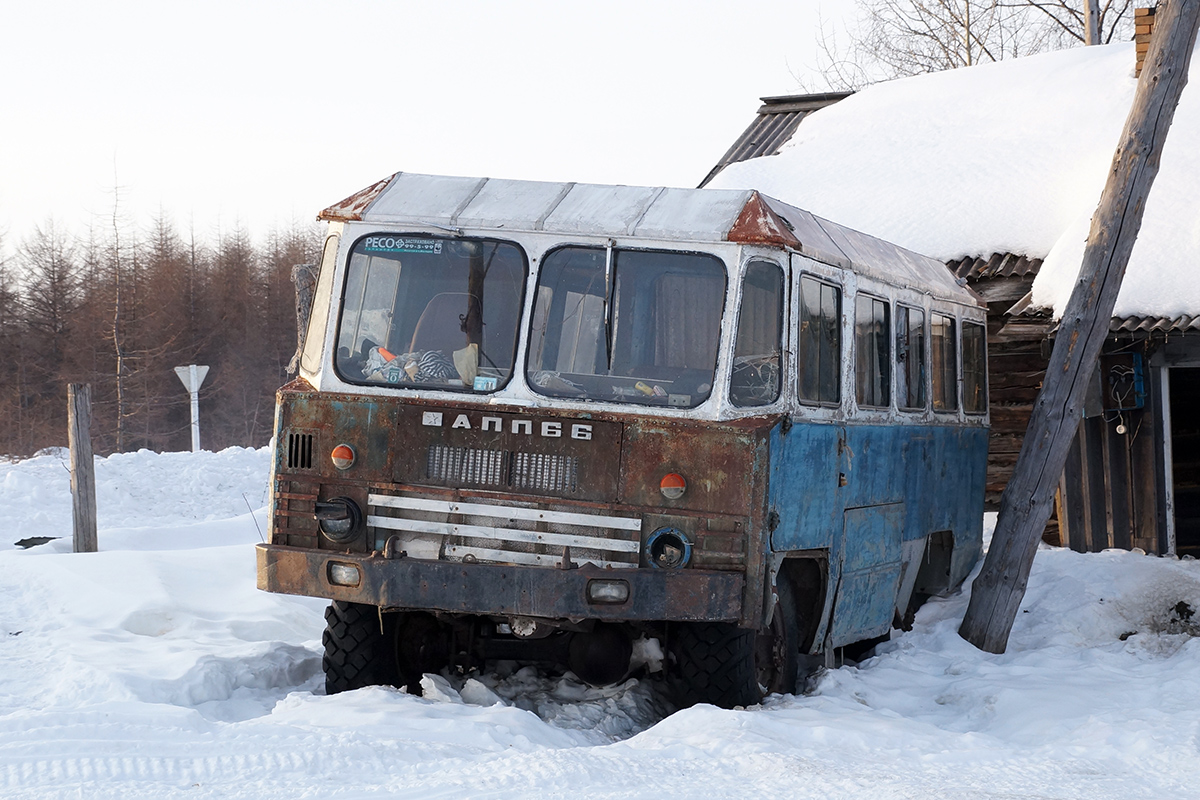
x=473, y=466
x=454, y=530
x=299, y=450
x=459, y=466
x=547, y=473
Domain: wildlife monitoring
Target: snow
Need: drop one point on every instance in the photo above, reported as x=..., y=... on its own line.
x=156, y=669
x=1003, y=157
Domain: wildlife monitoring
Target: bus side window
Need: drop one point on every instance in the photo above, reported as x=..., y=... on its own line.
x=910, y=357
x=945, y=363
x=974, y=348
x=820, y=346
x=872, y=346
x=757, y=352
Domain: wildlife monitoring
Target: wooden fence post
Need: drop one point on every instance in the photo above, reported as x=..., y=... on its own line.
x=1026, y=503
x=83, y=473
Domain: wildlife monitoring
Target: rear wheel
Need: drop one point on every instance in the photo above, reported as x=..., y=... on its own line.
x=421, y=644
x=722, y=664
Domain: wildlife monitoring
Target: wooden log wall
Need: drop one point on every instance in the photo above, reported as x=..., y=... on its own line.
x=1017, y=357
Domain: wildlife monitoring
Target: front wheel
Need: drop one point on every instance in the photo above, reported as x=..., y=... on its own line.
x=358, y=648
x=366, y=648
x=722, y=664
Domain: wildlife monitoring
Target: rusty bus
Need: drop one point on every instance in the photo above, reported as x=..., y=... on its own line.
x=540, y=421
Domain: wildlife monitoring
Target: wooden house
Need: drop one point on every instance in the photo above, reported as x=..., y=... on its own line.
x=1133, y=476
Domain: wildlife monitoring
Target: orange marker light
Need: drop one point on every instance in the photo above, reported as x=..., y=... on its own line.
x=672, y=486
x=343, y=456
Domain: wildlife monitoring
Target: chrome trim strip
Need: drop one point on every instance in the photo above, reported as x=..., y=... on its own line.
x=505, y=512
x=533, y=559
x=504, y=534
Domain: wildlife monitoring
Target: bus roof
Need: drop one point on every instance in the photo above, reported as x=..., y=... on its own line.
x=742, y=216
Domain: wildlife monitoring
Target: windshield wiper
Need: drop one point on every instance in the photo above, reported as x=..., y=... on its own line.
x=608, y=287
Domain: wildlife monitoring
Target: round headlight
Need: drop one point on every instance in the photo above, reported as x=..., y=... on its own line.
x=340, y=519
x=668, y=548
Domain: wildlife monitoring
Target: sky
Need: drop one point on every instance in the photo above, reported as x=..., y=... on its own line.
x=259, y=114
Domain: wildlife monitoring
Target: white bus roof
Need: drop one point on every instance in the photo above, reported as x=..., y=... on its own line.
x=742, y=216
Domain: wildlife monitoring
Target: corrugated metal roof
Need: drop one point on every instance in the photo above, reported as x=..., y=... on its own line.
x=1136, y=326
x=777, y=120
x=653, y=213
x=1151, y=325
x=998, y=265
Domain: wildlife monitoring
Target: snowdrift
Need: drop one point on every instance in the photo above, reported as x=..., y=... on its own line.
x=155, y=669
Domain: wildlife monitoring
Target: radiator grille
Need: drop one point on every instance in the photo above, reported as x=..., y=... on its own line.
x=471, y=466
x=463, y=530
x=300, y=451
x=466, y=465
x=548, y=473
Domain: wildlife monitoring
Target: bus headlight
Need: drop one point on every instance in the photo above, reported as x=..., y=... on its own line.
x=607, y=591
x=344, y=574
x=340, y=519
x=668, y=548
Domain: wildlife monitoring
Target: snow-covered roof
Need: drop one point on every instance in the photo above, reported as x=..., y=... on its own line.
x=1009, y=157
x=652, y=213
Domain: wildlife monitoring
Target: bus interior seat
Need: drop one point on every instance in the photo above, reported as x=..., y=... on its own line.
x=440, y=326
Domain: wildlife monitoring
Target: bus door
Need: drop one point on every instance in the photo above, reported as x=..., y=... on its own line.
x=870, y=573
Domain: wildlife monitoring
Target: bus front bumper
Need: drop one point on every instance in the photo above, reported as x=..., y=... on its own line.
x=500, y=589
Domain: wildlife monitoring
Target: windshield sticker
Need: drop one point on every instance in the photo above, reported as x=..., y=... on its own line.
x=400, y=244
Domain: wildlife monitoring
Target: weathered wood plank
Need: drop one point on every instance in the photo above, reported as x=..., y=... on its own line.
x=1011, y=418
x=1003, y=290
x=1012, y=378
x=1026, y=504
x=1017, y=362
x=1021, y=395
x=83, y=475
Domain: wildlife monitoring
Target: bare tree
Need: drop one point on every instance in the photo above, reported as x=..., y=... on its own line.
x=897, y=38
x=1069, y=20
x=909, y=37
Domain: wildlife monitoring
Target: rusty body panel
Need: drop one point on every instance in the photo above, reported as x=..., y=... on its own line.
x=354, y=206
x=469, y=472
x=681, y=595
x=759, y=224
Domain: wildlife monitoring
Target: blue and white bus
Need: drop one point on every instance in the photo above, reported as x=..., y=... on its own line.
x=541, y=420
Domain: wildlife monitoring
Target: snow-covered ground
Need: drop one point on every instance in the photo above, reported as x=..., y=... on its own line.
x=156, y=669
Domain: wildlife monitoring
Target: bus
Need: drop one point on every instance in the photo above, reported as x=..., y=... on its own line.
x=541, y=421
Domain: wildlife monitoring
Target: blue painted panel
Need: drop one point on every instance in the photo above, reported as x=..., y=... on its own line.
x=936, y=471
x=803, y=490
x=866, y=593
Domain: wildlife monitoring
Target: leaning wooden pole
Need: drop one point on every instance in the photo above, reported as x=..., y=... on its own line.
x=1026, y=503
x=83, y=474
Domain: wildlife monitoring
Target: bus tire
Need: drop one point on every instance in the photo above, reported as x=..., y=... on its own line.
x=358, y=649
x=420, y=645
x=728, y=666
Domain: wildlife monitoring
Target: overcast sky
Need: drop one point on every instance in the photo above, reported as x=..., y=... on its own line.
x=260, y=114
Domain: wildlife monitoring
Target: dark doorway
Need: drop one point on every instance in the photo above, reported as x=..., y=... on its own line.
x=1185, y=456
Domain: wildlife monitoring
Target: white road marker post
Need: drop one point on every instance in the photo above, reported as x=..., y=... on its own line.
x=192, y=376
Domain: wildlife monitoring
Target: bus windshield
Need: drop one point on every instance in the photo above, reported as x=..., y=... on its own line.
x=424, y=312
x=631, y=326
